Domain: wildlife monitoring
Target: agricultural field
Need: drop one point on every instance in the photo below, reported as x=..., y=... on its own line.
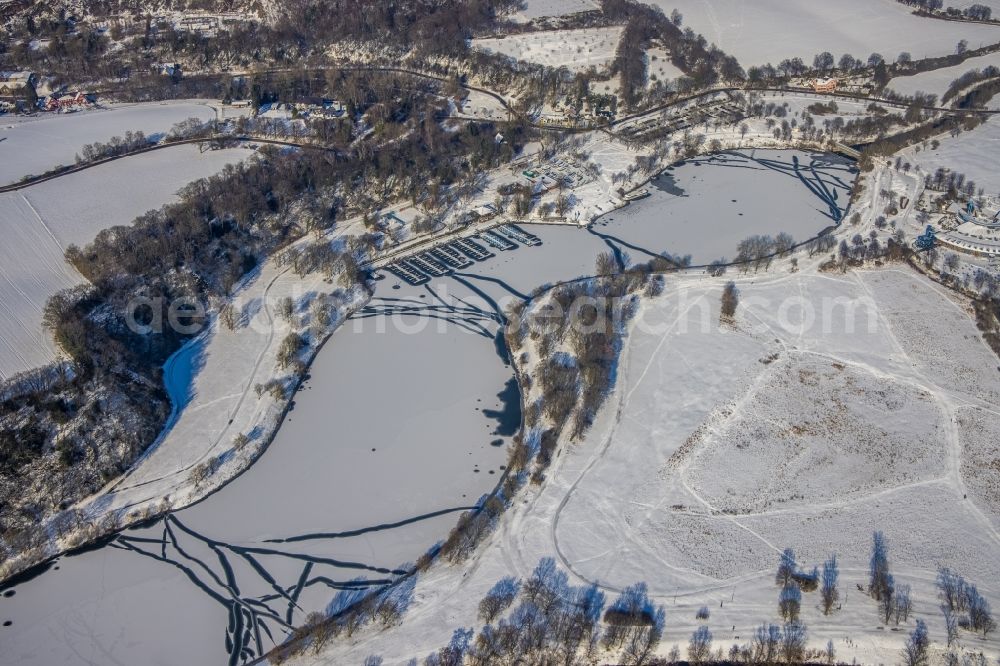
x=46, y=141
x=39, y=222
x=577, y=50
x=771, y=30
x=543, y=8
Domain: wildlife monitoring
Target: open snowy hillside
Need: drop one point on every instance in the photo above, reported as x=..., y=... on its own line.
x=972, y=153
x=818, y=417
x=542, y=8
x=762, y=31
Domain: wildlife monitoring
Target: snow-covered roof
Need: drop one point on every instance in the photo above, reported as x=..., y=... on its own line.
x=20, y=77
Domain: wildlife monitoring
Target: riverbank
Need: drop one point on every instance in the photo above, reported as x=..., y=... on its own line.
x=211, y=382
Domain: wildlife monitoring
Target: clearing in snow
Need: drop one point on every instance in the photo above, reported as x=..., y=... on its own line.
x=577, y=50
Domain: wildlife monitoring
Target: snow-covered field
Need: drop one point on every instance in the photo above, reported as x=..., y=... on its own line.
x=31, y=146
x=541, y=8
x=937, y=81
x=979, y=430
x=481, y=105
x=659, y=67
x=39, y=222
x=761, y=31
x=577, y=50
x=803, y=426
x=972, y=153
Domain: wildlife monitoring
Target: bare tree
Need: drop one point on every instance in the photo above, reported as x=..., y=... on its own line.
x=786, y=565
x=886, y=601
x=902, y=604
x=828, y=591
x=765, y=643
x=700, y=646
x=498, y=599
x=227, y=315
x=286, y=308
x=950, y=625
x=878, y=567
x=980, y=615
x=790, y=602
x=916, y=648
x=607, y=263
x=793, y=643
x=730, y=301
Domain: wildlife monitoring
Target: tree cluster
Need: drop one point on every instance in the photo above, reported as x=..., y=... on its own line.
x=554, y=622
x=703, y=64
x=963, y=605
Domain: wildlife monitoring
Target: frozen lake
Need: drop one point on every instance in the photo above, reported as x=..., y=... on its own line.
x=403, y=423
x=705, y=206
x=36, y=144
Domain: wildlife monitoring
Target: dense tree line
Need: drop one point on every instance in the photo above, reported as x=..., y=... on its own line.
x=703, y=64
x=975, y=12
x=963, y=606
x=81, y=51
x=116, y=145
x=980, y=96
x=968, y=79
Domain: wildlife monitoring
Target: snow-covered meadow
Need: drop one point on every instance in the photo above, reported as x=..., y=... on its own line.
x=936, y=81
x=577, y=50
x=39, y=222
x=659, y=67
x=542, y=8
x=815, y=419
x=34, y=145
x=761, y=31
x=972, y=153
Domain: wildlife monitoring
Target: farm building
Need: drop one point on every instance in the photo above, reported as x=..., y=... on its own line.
x=825, y=85
x=17, y=89
x=66, y=100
